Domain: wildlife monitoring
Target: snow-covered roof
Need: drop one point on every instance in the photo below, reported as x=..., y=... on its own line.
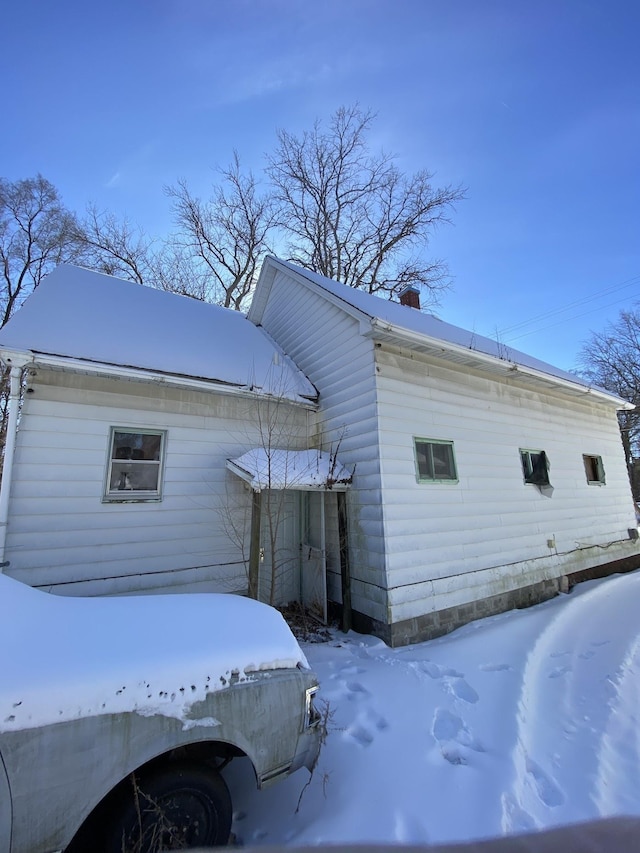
x=290, y=469
x=63, y=658
x=83, y=315
x=391, y=321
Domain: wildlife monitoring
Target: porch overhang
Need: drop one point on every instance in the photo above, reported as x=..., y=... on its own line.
x=300, y=470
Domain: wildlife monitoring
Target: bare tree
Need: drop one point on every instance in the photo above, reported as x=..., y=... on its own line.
x=115, y=247
x=118, y=247
x=275, y=430
x=175, y=270
x=36, y=234
x=611, y=359
x=225, y=237
x=352, y=214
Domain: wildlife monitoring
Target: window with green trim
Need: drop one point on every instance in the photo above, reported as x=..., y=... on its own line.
x=134, y=470
x=435, y=462
x=535, y=467
x=594, y=469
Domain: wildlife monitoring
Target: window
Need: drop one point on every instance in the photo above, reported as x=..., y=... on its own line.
x=434, y=461
x=134, y=471
x=535, y=467
x=594, y=469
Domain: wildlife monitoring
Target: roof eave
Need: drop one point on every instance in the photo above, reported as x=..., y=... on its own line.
x=256, y=486
x=25, y=358
x=270, y=266
x=382, y=330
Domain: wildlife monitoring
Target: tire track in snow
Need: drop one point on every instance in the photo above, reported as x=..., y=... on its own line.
x=618, y=776
x=582, y=670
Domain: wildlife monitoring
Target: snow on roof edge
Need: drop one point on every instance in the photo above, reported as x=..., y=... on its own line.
x=281, y=468
x=352, y=297
x=100, y=320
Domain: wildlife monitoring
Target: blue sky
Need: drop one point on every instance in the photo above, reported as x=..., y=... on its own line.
x=533, y=106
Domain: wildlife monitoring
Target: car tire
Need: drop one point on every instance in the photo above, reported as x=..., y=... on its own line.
x=178, y=806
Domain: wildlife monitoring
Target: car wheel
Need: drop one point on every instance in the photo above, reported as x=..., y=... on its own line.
x=176, y=807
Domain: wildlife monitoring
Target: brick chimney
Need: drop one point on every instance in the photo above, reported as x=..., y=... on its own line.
x=410, y=296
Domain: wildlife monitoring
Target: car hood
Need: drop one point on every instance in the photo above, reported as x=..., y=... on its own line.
x=62, y=658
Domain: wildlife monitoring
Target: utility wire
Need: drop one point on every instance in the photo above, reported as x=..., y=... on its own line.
x=561, y=322
x=634, y=280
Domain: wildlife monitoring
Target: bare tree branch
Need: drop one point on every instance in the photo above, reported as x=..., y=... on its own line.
x=226, y=237
x=115, y=247
x=352, y=215
x=37, y=233
x=611, y=359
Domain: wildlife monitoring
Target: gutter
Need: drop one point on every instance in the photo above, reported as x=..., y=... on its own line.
x=509, y=367
x=137, y=374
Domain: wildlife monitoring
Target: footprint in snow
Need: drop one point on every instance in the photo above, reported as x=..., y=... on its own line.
x=364, y=727
x=347, y=669
x=356, y=691
x=461, y=689
x=495, y=667
x=544, y=786
x=559, y=671
x=360, y=735
x=453, y=681
x=454, y=755
x=446, y=725
x=351, y=669
x=450, y=731
x=515, y=819
x=433, y=670
x=377, y=720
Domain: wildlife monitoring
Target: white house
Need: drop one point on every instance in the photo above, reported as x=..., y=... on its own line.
x=134, y=400
x=484, y=479
x=333, y=447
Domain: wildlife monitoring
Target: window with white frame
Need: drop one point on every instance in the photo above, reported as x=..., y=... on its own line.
x=594, y=469
x=134, y=470
x=535, y=467
x=435, y=462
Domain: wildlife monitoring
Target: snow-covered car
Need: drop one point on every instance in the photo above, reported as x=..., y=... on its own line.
x=118, y=714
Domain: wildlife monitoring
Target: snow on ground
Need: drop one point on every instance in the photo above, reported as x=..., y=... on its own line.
x=522, y=721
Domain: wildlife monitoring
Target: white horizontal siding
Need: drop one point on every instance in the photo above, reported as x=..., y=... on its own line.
x=412, y=600
x=61, y=533
x=326, y=344
x=490, y=518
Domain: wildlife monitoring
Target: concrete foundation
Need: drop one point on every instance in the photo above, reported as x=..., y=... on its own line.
x=431, y=625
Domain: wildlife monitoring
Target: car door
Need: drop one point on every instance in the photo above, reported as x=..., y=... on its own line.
x=5, y=810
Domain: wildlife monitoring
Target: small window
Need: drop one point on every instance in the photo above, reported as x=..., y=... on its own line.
x=434, y=461
x=594, y=469
x=535, y=467
x=135, y=465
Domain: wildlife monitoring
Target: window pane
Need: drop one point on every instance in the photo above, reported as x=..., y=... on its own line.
x=423, y=455
x=443, y=462
x=134, y=477
x=434, y=460
x=136, y=445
